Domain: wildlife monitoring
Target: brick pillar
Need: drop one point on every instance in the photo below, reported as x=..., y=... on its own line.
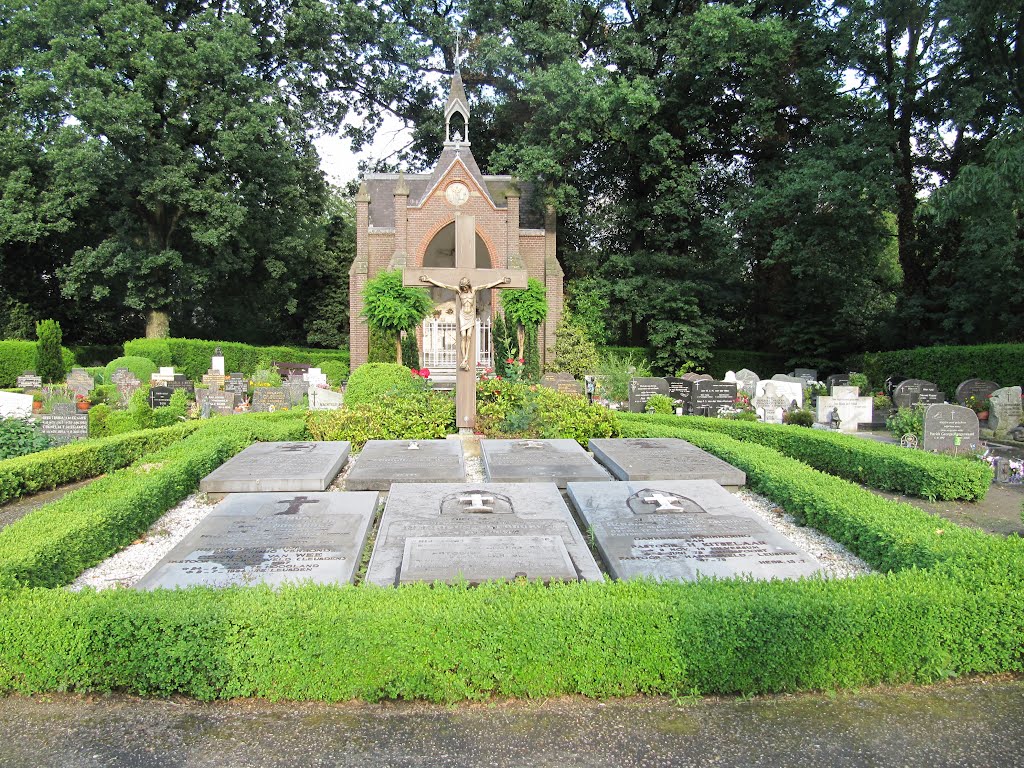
x=514, y=260
x=553, y=277
x=359, y=332
x=400, y=257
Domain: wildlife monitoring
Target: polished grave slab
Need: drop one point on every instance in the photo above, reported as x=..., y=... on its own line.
x=271, y=467
x=475, y=532
x=663, y=458
x=533, y=461
x=679, y=529
x=271, y=538
x=383, y=462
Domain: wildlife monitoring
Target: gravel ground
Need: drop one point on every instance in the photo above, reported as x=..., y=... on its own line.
x=132, y=563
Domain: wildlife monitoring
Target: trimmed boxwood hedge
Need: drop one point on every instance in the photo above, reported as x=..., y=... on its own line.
x=880, y=465
x=949, y=366
x=192, y=356
x=16, y=357
x=81, y=460
x=954, y=606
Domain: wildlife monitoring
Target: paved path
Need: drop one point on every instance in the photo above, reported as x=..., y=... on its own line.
x=980, y=723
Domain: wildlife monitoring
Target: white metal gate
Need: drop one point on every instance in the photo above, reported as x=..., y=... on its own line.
x=441, y=344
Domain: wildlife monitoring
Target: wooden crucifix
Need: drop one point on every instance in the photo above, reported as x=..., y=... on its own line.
x=467, y=281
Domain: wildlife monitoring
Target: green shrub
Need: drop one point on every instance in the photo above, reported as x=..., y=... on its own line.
x=879, y=465
x=49, y=357
x=142, y=367
x=98, y=416
x=518, y=410
x=105, y=394
x=800, y=418
x=410, y=416
x=16, y=357
x=335, y=371
x=615, y=372
x=949, y=366
x=174, y=411
x=382, y=347
x=20, y=437
x=81, y=460
x=860, y=381
x=574, y=351
x=372, y=381
x=659, y=404
x=907, y=421
x=570, y=416
x=192, y=356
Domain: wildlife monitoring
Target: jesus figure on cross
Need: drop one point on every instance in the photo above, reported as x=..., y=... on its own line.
x=467, y=310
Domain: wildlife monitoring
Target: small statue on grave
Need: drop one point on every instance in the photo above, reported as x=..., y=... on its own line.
x=834, y=418
x=466, y=295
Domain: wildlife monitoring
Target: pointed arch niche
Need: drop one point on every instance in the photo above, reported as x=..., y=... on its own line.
x=440, y=252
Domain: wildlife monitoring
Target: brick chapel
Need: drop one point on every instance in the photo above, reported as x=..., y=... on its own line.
x=408, y=220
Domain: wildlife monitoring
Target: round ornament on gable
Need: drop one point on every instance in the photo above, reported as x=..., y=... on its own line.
x=457, y=193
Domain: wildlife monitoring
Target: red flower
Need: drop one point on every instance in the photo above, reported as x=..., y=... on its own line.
x=425, y=373
x=510, y=360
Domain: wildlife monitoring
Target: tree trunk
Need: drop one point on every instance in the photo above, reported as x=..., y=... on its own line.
x=521, y=338
x=398, y=347
x=158, y=325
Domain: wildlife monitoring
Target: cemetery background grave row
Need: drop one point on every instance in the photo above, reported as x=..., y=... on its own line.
x=951, y=606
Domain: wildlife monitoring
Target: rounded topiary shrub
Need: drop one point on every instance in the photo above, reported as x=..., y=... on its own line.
x=659, y=404
x=142, y=367
x=372, y=381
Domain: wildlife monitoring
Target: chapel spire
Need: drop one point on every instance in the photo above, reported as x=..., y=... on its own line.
x=457, y=105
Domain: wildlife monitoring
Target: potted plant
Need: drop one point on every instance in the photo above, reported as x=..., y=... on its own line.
x=37, y=402
x=83, y=402
x=980, y=405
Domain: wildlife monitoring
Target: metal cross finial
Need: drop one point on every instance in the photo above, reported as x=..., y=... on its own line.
x=458, y=47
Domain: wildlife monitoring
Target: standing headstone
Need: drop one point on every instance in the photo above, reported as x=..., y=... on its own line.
x=181, y=381
x=285, y=370
x=730, y=376
x=271, y=538
x=315, y=378
x=837, y=380
x=269, y=399
x=679, y=390
x=213, y=379
x=563, y=382
x=663, y=458
x=976, y=388
x=682, y=529
x=1004, y=413
x=478, y=532
x=787, y=378
x=64, y=424
x=15, y=406
x=697, y=377
x=707, y=398
x=910, y=392
x=531, y=461
x=950, y=429
x=80, y=382
x=295, y=390
x=793, y=391
x=160, y=396
x=127, y=384
x=641, y=389
x=308, y=466
x=238, y=384
x=217, y=362
x=852, y=408
x=747, y=380
x=222, y=402
x=324, y=399
x=383, y=462
x=29, y=380
x=807, y=374
x=163, y=376
x=771, y=402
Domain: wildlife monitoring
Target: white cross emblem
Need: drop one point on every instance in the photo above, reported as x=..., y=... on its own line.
x=413, y=447
x=665, y=503
x=477, y=503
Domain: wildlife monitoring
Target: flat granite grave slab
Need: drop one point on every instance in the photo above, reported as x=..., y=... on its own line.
x=271, y=538
x=663, y=458
x=383, y=462
x=453, y=532
x=533, y=461
x=267, y=467
x=679, y=529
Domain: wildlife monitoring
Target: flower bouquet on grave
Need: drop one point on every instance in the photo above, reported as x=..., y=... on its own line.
x=980, y=405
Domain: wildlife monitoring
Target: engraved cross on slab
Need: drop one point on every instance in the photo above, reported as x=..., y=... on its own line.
x=295, y=505
x=477, y=503
x=665, y=502
x=467, y=281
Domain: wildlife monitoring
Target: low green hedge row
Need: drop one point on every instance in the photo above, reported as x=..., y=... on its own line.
x=54, y=544
x=412, y=416
x=962, y=615
x=192, y=356
x=371, y=382
x=16, y=357
x=883, y=466
x=81, y=460
x=949, y=366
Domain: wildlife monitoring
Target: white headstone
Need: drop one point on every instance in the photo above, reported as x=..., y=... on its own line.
x=746, y=380
x=321, y=399
x=853, y=410
x=316, y=378
x=15, y=406
x=164, y=375
x=730, y=376
x=788, y=391
x=217, y=364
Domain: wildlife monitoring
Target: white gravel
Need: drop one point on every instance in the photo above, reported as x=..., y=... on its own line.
x=837, y=561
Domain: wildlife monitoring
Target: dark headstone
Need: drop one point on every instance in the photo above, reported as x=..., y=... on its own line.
x=285, y=370
x=641, y=390
x=663, y=458
x=29, y=380
x=950, y=429
x=181, y=381
x=160, y=396
x=707, y=398
x=383, y=462
x=295, y=390
x=562, y=382
x=976, y=388
x=532, y=461
x=238, y=384
x=679, y=390
x=913, y=391
x=680, y=529
x=477, y=532
x=271, y=538
x=65, y=424
x=807, y=374
x=267, y=399
x=837, y=380
x=308, y=466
